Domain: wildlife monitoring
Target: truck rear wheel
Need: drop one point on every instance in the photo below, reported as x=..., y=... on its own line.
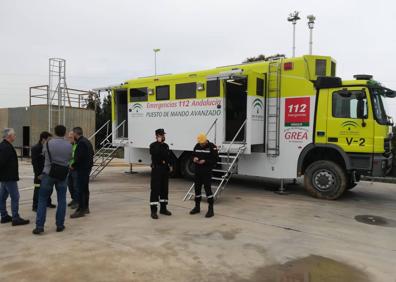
x=325, y=180
x=187, y=167
x=175, y=164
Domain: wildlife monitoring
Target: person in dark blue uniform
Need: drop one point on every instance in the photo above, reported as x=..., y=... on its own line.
x=205, y=155
x=160, y=159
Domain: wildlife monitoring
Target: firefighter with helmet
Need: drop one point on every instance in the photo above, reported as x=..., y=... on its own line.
x=160, y=167
x=205, y=155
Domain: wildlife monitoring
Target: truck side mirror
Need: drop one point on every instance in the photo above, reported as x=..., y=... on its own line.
x=361, y=106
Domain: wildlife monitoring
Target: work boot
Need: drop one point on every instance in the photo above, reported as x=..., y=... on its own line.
x=77, y=214
x=60, y=228
x=74, y=205
x=38, y=230
x=153, y=209
x=6, y=219
x=19, y=221
x=210, y=212
x=196, y=209
x=164, y=210
x=154, y=215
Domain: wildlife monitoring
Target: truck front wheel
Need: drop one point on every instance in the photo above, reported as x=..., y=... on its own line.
x=325, y=180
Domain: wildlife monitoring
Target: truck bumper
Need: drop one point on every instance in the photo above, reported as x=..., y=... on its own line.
x=381, y=165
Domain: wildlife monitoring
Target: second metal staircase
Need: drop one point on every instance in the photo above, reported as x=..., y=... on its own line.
x=227, y=165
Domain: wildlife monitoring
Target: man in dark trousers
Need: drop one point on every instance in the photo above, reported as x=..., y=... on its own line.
x=160, y=157
x=83, y=162
x=38, y=160
x=9, y=176
x=72, y=177
x=205, y=155
x=57, y=153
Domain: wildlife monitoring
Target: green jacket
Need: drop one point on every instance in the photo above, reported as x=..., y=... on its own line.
x=74, y=150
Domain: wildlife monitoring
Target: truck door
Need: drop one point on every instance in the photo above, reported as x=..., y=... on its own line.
x=350, y=123
x=257, y=110
x=121, y=112
x=235, y=104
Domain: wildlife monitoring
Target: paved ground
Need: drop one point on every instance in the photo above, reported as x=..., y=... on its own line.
x=256, y=235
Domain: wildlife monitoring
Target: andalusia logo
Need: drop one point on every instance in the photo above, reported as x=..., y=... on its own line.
x=137, y=108
x=349, y=124
x=257, y=106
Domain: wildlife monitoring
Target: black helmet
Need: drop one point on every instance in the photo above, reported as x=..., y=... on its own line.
x=160, y=131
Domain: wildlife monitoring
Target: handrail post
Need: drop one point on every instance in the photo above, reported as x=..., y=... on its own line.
x=210, y=129
x=235, y=137
x=215, y=131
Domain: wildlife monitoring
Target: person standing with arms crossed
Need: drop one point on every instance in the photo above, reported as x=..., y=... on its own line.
x=160, y=159
x=9, y=177
x=205, y=155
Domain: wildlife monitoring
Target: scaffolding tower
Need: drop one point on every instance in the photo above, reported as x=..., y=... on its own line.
x=57, y=92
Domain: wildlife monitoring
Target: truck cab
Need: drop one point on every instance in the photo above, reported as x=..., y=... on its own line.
x=352, y=135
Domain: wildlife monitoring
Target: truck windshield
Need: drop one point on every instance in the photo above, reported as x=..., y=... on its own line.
x=378, y=94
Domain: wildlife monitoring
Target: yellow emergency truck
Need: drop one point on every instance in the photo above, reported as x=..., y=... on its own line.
x=281, y=119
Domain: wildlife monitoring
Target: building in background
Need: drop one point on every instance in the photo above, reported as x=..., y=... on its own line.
x=78, y=109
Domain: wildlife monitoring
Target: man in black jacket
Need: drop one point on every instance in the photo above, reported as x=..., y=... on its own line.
x=204, y=156
x=83, y=162
x=9, y=175
x=38, y=166
x=160, y=160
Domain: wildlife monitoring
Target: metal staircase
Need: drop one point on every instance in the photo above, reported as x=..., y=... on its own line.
x=273, y=107
x=108, y=150
x=227, y=165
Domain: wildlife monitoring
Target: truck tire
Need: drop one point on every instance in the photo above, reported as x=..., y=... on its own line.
x=187, y=167
x=325, y=180
x=175, y=163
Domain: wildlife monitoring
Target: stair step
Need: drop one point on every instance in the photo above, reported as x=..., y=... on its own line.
x=224, y=163
x=226, y=156
x=218, y=178
x=220, y=170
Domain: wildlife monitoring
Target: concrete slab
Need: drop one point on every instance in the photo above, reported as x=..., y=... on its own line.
x=256, y=235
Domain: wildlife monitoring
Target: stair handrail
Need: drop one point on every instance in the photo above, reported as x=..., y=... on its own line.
x=100, y=129
x=210, y=129
x=115, y=130
x=235, y=137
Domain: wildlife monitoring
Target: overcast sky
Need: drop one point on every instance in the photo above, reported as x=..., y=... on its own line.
x=108, y=41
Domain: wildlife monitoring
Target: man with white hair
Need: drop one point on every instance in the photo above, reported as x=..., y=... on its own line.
x=9, y=175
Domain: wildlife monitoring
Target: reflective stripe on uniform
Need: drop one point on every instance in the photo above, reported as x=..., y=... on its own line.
x=154, y=203
x=211, y=196
x=198, y=196
x=163, y=201
x=202, y=151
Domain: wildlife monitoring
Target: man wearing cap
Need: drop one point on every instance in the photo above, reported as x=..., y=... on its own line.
x=160, y=158
x=204, y=156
